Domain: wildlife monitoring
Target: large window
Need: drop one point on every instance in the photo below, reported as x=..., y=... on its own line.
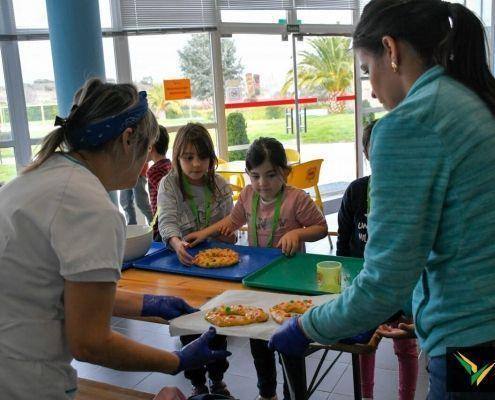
x=261, y=93
x=343, y=17
x=7, y=164
x=325, y=76
x=156, y=58
x=252, y=16
x=257, y=70
x=39, y=86
x=5, y=129
x=39, y=82
x=109, y=56
x=31, y=14
x=7, y=160
x=105, y=15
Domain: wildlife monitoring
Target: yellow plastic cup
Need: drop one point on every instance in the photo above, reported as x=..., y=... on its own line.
x=328, y=276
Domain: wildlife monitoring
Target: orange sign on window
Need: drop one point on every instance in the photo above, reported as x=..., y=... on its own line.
x=177, y=89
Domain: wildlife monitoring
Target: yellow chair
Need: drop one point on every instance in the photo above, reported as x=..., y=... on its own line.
x=305, y=176
x=293, y=156
x=236, y=180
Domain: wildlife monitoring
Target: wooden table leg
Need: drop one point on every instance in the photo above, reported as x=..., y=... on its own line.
x=356, y=376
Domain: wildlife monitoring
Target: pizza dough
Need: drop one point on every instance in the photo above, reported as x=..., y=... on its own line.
x=288, y=309
x=235, y=315
x=216, y=258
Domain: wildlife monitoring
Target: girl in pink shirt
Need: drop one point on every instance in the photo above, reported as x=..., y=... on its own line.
x=277, y=216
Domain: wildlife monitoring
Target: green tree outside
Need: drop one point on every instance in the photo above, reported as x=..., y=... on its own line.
x=237, y=134
x=325, y=70
x=195, y=64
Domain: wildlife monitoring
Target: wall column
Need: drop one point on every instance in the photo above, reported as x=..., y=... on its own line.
x=77, y=48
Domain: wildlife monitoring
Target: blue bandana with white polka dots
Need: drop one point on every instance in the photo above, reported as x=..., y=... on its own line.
x=98, y=133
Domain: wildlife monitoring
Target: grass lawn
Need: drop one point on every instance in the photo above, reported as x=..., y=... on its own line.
x=332, y=128
x=7, y=172
x=320, y=129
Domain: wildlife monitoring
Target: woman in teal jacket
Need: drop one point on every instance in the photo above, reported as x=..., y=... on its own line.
x=432, y=220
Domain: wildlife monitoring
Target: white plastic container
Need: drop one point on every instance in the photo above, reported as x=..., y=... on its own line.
x=138, y=241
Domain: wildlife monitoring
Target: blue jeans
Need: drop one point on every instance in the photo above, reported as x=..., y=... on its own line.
x=114, y=196
x=437, y=368
x=215, y=369
x=142, y=199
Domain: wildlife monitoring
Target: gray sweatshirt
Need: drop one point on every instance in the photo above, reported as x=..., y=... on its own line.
x=175, y=217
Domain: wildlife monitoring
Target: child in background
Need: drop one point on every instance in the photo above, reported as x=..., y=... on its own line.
x=161, y=167
x=191, y=197
x=277, y=216
x=140, y=195
x=353, y=235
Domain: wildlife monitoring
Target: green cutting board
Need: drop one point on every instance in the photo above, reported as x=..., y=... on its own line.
x=297, y=274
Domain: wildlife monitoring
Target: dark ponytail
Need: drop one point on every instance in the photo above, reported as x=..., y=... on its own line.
x=442, y=33
x=467, y=61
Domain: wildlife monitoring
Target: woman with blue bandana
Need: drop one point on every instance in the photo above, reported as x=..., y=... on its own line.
x=61, y=248
x=432, y=213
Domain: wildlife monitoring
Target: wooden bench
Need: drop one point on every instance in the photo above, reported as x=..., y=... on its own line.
x=91, y=390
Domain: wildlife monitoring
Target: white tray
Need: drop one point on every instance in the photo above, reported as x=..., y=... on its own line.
x=196, y=323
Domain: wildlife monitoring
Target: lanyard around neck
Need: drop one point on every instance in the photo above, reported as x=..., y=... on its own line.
x=194, y=206
x=254, y=217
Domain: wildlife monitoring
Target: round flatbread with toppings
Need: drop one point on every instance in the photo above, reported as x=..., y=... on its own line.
x=288, y=309
x=216, y=258
x=235, y=315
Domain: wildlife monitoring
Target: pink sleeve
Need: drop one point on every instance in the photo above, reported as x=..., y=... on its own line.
x=238, y=213
x=307, y=213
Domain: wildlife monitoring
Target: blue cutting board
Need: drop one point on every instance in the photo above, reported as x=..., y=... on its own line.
x=155, y=247
x=251, y=259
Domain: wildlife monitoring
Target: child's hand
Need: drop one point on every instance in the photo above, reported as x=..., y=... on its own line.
x=226, y=228
x=232, y=239
x=403, y=331
x=180, y=247
x=195, y=238
x=289, y=243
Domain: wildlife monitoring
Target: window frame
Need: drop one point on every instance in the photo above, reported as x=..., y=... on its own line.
x=21, y=141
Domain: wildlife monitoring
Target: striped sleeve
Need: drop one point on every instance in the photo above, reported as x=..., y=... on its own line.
x=410, y=177
x=155, y=175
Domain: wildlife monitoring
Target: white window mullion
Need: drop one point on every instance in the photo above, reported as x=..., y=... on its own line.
x=120, y=46
x=15, y=90
x=219, y=94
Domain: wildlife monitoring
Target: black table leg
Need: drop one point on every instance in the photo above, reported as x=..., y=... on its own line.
x=295, y=376
x=356, y=376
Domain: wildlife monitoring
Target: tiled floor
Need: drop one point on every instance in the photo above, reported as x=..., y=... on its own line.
x=241, y=377
x=241, y=374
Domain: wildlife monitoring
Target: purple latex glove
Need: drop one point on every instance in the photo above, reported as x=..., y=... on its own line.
x=361, y=338
x=198, y=353
x=289, y=339
x=166, y=307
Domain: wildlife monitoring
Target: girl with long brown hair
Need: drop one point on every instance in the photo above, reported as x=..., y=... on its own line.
x=191, y=197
